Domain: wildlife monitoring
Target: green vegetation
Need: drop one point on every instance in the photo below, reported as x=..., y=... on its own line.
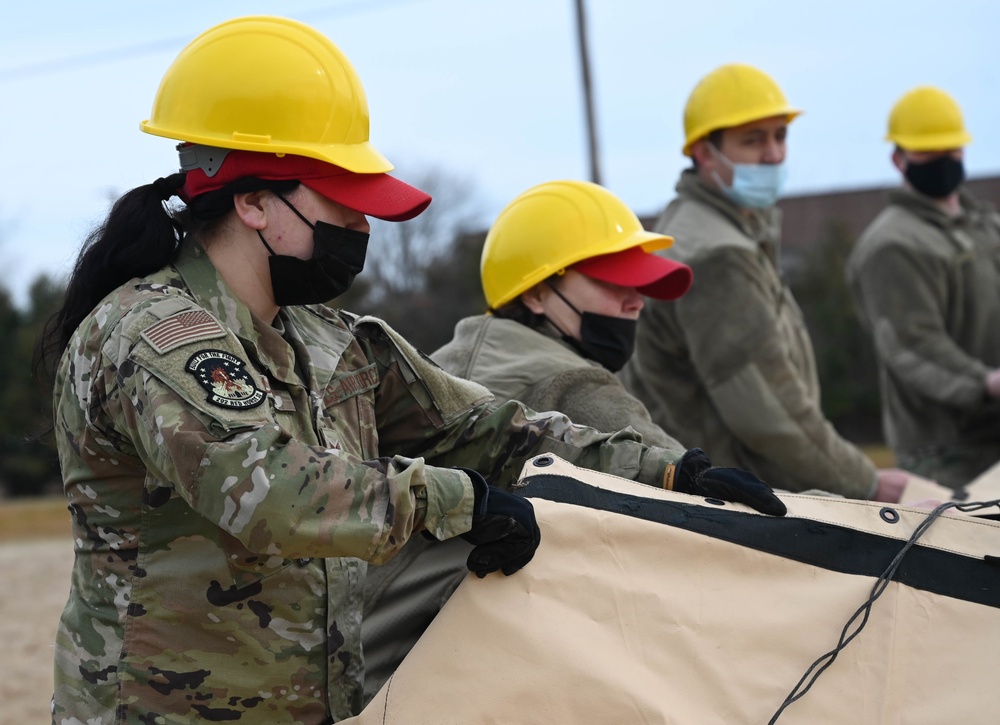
x=422, y=276
x=28, y=463
x=844, y=354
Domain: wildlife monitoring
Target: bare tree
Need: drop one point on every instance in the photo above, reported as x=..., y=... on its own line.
x=399, y=252
x=422, y=275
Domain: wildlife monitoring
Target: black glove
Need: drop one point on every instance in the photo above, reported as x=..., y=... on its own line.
x=504, y=530
x=695, y=474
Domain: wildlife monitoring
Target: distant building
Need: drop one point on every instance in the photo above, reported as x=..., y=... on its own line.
x=810, y=217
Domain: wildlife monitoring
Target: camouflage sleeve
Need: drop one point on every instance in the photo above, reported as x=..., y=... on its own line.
x=238, y=468
x=735, y=337
x=424, y=411
x=902, y=295
x=498, y=442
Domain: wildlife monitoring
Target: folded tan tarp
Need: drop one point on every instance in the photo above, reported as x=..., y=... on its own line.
x=985, y=486
x=645, y=606
x=919, y=490
x=925, y=493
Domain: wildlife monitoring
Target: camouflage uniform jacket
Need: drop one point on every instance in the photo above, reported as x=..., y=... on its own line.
x=227, y=481
x=928, y=291
x=730, y=364
x=539, y=369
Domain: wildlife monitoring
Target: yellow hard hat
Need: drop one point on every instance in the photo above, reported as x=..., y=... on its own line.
x=555, y=225
x=927, y=119
x=732, y=95
x=267, y=84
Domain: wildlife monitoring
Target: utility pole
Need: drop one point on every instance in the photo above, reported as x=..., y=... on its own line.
x=588, y=95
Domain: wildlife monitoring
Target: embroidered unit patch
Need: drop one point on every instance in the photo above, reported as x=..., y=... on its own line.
x=223, y=375
x=182, y=328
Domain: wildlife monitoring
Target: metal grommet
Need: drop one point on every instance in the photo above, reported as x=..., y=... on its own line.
x=715, y=501
x=890, y=516
x=543, y=461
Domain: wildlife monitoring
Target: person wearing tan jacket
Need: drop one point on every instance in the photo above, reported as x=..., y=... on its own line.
x=926, y=278
x=731, y=363
x=564, y=269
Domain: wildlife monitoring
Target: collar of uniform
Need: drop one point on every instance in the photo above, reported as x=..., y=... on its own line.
x=283, y=355
x=319, y=338
x=925, y=208
x=211, y=291
x=483, y=349
x=547, y=329
x=761, y=225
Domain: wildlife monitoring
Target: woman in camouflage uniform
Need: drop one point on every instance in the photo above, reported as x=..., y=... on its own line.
x=233, y=450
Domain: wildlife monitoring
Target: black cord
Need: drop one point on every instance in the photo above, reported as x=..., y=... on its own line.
x=864, y=611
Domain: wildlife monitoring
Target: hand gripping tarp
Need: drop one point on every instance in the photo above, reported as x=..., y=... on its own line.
x=646, y=606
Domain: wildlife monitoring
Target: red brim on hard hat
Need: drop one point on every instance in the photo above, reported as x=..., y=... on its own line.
x=378, y=195
x=651, y=275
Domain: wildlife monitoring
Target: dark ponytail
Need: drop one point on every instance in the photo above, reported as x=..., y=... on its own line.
x=138, y=237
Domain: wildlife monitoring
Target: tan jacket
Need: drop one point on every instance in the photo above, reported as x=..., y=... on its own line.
x=516, y=363
x=928, y=291
x=535, y=367
x=731, y=364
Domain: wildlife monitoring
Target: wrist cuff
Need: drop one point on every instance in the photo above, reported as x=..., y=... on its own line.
x=669, y=476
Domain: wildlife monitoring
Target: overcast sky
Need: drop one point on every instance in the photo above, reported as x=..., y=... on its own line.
x=487, y=90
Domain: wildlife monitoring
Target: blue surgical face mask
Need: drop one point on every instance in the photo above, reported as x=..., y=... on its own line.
x=755, y=186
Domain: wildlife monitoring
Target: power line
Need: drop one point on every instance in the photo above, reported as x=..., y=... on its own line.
x=75, y=62
x=90, y=59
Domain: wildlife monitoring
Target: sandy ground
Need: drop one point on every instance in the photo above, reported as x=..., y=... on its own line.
x=35, y=575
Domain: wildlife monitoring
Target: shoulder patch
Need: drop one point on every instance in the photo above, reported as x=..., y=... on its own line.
x=181, y=329
x=224, y=376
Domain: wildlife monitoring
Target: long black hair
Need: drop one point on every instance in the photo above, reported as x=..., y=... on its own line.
x=140, y=235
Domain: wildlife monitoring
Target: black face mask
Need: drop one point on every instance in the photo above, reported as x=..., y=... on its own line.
x=936, y=178
x=338, y=256
x=608, y=341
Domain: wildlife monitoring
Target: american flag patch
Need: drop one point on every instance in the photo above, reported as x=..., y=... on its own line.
x=181, y=329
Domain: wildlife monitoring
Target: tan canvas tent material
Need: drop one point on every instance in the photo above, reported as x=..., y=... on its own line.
x=921, y=491
x=985, y=486
x=924, y=489
x=646, y=606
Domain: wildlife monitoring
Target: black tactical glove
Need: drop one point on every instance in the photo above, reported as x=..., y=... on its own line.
x=694, y=473
x=504, y=530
